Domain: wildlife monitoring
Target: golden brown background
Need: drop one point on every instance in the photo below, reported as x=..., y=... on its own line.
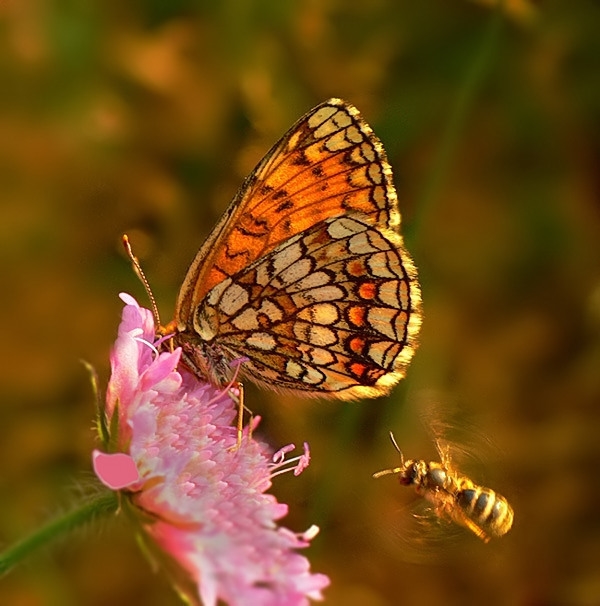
x=145, y=116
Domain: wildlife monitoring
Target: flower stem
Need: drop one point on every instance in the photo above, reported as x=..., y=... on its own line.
x=473, y=81
x=105, y=503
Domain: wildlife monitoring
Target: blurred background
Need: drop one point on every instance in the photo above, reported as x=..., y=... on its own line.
x=144, y=117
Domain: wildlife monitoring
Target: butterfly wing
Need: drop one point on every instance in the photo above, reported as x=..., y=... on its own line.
x=328, y=164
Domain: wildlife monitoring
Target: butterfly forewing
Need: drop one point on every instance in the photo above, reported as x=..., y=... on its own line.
x=305, y=274
x=327, y=164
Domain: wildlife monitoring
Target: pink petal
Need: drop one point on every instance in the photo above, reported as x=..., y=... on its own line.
x=116, y=470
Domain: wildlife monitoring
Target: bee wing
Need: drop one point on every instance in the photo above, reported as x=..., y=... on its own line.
x=415, y=534
x=459, y=442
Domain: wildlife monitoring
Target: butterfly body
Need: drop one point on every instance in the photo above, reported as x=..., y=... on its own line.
x=305, y=275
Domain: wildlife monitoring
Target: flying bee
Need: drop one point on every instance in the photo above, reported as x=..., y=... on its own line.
x=454, y=497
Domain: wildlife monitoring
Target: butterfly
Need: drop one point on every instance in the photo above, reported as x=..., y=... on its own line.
x=305, y=278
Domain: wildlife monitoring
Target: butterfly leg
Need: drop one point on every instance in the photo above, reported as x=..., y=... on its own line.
x=237, y=395
x=240, y=421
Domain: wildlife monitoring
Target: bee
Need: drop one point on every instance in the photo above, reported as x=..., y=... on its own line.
x=454, y=497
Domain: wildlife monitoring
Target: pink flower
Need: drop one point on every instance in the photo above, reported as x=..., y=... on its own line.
x=199, y=498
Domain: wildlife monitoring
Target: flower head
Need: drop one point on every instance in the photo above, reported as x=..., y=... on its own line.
x=199, y=496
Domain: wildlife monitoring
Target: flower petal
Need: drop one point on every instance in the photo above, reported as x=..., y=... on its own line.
x=116, y=470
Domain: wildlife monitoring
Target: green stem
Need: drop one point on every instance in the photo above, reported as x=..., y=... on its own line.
x=471, y=85
x=102, y=505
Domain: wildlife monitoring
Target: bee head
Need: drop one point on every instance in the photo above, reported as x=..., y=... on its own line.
x=409, y=473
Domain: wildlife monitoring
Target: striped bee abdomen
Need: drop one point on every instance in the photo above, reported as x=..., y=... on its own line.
x=486, y=509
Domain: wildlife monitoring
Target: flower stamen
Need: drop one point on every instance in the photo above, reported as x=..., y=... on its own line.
x=296, y=464
x=150, y=345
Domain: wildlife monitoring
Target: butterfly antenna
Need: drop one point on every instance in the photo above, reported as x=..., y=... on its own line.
x=139, y=272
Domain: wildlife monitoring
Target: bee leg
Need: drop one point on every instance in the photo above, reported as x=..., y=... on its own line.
x=465, y=521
